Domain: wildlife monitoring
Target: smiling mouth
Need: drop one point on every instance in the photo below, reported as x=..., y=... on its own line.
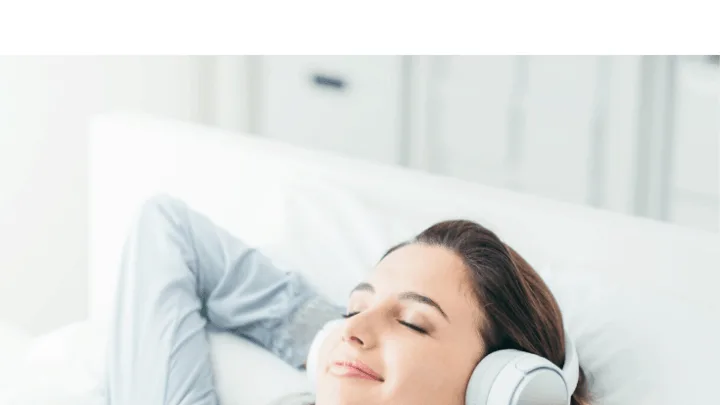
x=355, y=369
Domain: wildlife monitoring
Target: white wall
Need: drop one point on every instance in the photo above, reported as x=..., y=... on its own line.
x=44, y=104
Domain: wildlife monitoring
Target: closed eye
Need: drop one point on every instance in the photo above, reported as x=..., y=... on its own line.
x=414, y=327
x=406, y=324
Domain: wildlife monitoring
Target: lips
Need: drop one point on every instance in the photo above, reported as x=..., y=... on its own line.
x=357, y=369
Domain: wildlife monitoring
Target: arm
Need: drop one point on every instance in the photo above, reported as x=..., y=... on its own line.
x=181, y=271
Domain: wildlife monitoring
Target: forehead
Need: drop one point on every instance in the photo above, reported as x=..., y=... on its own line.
x=433, y=271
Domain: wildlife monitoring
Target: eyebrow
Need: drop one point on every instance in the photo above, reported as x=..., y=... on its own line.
x=408, y=295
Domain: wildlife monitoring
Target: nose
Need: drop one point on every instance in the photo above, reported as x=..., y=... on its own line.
x=361, y=330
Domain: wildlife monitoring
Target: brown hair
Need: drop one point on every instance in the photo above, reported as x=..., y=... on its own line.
x=520, y=311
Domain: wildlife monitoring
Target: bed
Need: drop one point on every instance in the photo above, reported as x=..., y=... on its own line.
x=639, y=296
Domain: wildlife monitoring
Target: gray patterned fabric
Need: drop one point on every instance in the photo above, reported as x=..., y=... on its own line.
x=292, y=342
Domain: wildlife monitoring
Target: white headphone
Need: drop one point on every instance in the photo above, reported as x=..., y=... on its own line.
x=504, y=377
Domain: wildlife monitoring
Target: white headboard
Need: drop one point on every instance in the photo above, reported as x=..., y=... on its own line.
x=245, y=182
x=133, y=157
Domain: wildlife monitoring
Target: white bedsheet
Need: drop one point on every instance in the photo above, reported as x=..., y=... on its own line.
x=14, y=342
x=60, y=368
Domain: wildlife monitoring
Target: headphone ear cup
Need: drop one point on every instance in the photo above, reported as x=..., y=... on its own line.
x=514, y=377
x=485, y=374
x=313, y=358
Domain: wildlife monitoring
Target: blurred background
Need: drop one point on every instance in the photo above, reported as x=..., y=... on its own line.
x=637, y=135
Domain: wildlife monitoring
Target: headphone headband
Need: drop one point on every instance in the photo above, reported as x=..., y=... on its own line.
x=314, y=352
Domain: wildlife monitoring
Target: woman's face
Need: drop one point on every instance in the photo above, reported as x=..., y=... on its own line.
x=411, y=338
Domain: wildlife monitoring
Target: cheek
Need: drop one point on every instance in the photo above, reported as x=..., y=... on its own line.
x=428, y=371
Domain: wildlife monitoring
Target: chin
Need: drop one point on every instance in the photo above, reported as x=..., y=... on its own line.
x=345, y=400
x=347, y=392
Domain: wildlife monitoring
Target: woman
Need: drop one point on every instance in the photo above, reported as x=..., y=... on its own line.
x=417, y=327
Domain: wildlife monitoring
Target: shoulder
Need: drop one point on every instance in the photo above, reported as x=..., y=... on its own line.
x=296, y=399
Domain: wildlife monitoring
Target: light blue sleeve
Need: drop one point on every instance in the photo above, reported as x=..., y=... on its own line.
x=181, y=273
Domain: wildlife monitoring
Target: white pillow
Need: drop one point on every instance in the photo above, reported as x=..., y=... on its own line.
x=246, y=374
